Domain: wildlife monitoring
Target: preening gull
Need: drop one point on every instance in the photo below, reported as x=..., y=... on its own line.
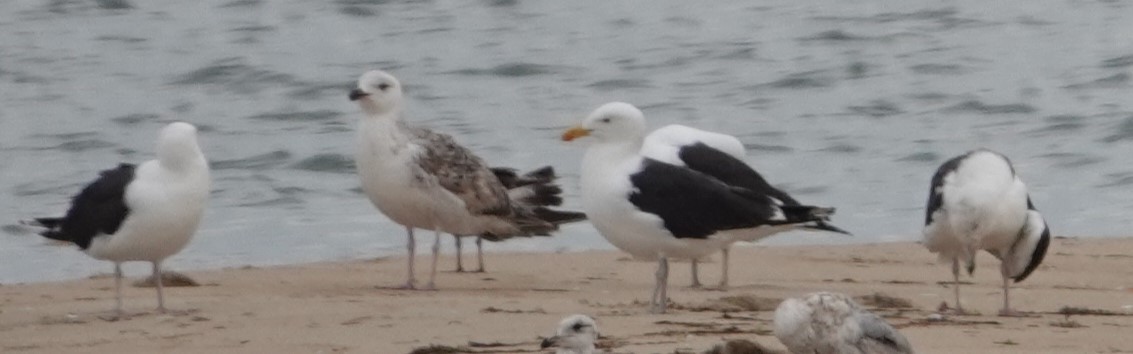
x=977, y=202
x=655, y=210
x=425, y=180
x=832, y=323
x=576, y=335
x=146, y=212
x=720, y=156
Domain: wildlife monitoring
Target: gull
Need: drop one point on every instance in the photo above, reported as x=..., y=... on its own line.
x=656, y=210
x=422, y=179
x=576, y=334
x=832, y=323
x=977, y=202
x=720, y=156
x=144, y=212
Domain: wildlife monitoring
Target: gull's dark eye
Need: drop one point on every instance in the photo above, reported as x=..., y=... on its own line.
x=383, y=86
x=605, y=120
x=577, y=327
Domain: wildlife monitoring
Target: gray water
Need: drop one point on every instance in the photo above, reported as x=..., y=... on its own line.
x=851, y=104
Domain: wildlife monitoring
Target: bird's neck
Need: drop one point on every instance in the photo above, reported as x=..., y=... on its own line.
x=613, y=151
x=378, y=134
x=181, y=156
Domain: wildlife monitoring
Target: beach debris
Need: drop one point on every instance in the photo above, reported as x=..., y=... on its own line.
x=169, y=279
x=736, y=303
x=1006, y=342
x=880, y=300
x=440, y=349
x=1067, y=323
x=1073, y=310
x=493, y=309
x=740, y=346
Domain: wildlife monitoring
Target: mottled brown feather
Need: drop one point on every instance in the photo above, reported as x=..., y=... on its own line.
x=461, y=172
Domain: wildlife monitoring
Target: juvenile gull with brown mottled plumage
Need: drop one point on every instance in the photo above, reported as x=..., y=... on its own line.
x=425, y=180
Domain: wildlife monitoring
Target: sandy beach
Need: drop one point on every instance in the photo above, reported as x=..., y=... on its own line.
x=348, y=307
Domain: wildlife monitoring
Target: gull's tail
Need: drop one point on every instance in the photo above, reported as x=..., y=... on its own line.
x=812, y=217
x=53, y=228
x=531, y=195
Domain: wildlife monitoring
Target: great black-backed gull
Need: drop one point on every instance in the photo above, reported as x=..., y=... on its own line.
x=655, y=210
x=576, y=334
x=977, y=202
x=425, y=180
x=832, y=323
x=146, y=212
x=720, y=156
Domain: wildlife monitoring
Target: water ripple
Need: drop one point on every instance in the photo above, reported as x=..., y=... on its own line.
x=1118, y=62
x=328, y=162
x=1119, y=80
x=877, y=109
x=235, y=75
x=1123, y=131
x=131, y=119
x=514, y=70
x=261, y=161
x=319, y=115
x=920, y=157
x=977, y=106
x=802, y=80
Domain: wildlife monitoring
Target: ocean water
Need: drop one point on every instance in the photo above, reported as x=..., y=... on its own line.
x=851, y=104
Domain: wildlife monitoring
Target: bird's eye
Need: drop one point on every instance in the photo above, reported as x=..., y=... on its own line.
x=383, y=86
x=577, y=327
x=605, y=120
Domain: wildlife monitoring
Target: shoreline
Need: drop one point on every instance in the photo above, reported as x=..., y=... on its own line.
x=348, y=306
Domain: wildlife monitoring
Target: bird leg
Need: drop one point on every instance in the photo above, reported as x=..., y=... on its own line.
x=724, y=277
x=117, y=292
x=480, y=255
x=432, y=285
x=117, y=314
x=695, y=274
x=157, y=282
x=459, y=254
x=959, y=310
x=1007, y=311
x=410, y=281
x=661, y=296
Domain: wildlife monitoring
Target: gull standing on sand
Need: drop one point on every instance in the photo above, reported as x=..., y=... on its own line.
x=832, y=323
x=576, y=335
x=425, y=180
x=655, y=210
x=720, y=156
x=977, y=202
x=146, y=212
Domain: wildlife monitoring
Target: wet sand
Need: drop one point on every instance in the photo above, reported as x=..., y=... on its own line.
x=350, y=307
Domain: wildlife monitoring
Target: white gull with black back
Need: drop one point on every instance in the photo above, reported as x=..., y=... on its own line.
x=146, y=212
x=977, y=202
x=656, y=210
x=722, y=157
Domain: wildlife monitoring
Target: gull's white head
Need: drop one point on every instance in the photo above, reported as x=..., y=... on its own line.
x=378, y=93
x=177, y=146
x=576, y=335
x=614, y=121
